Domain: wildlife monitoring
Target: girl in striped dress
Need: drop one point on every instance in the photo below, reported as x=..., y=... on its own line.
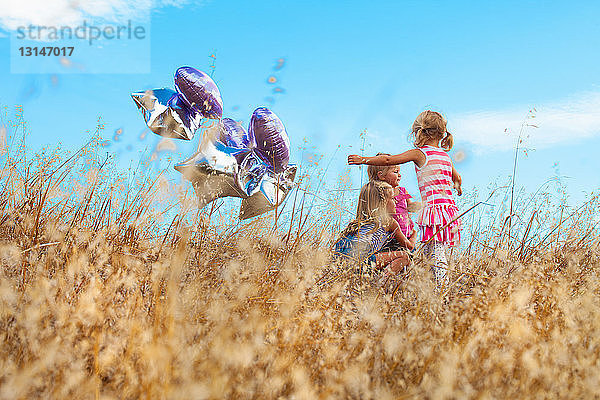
x=436, y=177
x=373, y=226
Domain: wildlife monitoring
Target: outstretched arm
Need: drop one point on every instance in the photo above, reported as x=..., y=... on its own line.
x=413, y=155
x=457, y=181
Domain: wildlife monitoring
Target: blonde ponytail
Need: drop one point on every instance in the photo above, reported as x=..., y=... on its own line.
x=447, y=142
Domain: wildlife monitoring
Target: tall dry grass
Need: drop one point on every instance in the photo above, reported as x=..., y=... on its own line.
x=108, y=291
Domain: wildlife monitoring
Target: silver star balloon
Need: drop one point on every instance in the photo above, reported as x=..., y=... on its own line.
x=212, y=170
x=273, y=191
x=166, y=114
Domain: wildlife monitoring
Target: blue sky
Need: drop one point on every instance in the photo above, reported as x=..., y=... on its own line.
x=349, y=66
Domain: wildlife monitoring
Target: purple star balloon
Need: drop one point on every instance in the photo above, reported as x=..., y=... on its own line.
x=233, y=134
x=272, y=142
x=199, y=91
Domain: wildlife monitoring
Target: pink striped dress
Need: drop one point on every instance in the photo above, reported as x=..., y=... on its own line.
x=439, y=208
x=401, y=215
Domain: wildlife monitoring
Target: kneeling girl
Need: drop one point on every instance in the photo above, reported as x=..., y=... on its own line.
x=372, y=228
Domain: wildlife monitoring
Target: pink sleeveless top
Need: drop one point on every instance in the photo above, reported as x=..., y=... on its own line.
x=439, y=208
x=401, y=215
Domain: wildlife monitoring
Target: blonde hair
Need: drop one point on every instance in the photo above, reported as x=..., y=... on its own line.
x=431, y=125
x=372, y=206
x=374, y=170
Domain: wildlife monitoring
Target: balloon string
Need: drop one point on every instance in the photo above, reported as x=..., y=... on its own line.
x=205, y=125
x=212, y=123
x=213, y=66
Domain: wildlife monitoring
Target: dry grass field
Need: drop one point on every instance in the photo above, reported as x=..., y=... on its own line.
x=107, y=291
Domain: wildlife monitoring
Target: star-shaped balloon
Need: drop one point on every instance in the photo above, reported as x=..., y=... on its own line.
x=178, y=114
x=199, y=91
x=273, y=191
x=166, y=115
x=272, y=142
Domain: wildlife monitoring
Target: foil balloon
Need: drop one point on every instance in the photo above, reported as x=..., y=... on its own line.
x=211, y=171
x=272, y=142
x=178, y=113
x=251, y=172
x=166, y=114
x=233, y=134
x=230, y=165
x=273, y=191
x=199, y=91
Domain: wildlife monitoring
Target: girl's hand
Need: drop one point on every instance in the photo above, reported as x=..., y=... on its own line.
x=398, y=235
x=414, y=206
x=353, y=159
x=413, y=238
x=458, y=188
x=457, y=179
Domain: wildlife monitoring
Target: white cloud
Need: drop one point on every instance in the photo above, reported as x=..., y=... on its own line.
x=574, y=118
x=72, y=12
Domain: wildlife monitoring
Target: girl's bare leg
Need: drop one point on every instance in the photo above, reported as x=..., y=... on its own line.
x=398, y=265
x=392, y=263
x=436, y=252
x=396, y=259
